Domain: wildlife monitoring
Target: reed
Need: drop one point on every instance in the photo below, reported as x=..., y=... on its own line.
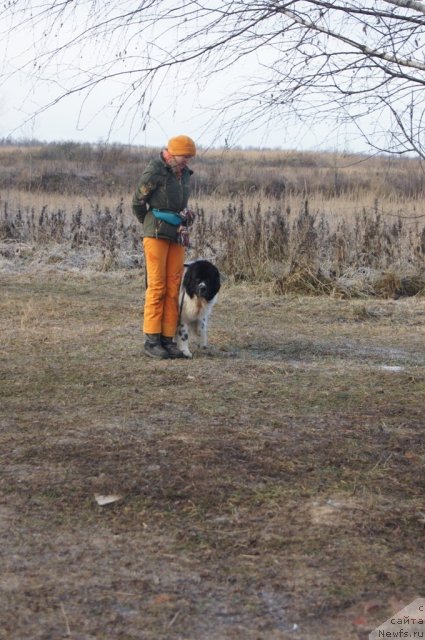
x=286, y=218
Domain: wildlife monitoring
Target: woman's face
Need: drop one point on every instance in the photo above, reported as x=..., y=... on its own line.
x=181, y=161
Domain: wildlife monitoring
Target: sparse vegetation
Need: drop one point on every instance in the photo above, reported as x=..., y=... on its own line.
x=293, y=220
x=274, y=481
x=272, y=487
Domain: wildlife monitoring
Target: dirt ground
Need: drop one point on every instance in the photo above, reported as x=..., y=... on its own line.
x=272, y=488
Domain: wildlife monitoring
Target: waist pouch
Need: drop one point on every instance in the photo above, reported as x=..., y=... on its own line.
x=167, y=216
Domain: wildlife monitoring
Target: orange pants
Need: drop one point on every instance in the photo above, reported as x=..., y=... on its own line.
x=164, y=267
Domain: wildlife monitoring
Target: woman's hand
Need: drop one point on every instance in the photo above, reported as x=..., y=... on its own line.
x=188, y=217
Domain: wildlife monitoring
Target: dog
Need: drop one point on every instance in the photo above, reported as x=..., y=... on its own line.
x=198, y=295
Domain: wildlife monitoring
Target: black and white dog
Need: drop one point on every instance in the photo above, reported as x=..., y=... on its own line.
x=198, y=295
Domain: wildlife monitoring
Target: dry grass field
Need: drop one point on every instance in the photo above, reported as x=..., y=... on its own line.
x=340, y=224
x=270, y=489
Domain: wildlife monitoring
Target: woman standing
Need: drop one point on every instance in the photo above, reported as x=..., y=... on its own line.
x=160, y=203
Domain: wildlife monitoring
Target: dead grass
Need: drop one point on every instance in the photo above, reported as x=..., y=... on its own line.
x=331, y=224
x=74, y=168
x=275, y=481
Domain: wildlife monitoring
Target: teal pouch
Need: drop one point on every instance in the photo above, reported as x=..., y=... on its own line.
x=167, y=216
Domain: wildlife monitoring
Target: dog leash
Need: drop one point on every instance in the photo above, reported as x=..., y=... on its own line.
x=186, y=264
x=181, y=306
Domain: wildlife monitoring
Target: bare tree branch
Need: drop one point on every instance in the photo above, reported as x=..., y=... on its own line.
x=408, y=4
x=304, y=59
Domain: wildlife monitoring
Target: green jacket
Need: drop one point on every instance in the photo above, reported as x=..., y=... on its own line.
x=162, y=189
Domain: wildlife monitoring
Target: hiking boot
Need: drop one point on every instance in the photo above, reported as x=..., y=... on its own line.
x=153, y=347
x=171, y=348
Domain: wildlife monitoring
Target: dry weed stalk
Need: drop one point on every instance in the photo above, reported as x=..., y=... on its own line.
x=279, y=217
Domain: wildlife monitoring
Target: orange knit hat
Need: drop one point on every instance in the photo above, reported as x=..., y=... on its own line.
x=181, y=146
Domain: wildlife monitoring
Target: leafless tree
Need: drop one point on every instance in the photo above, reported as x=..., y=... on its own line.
x=347, y=60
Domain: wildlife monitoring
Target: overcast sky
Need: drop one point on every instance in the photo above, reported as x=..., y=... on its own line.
x=92, y=120
x=181, y=106
x=67, y=120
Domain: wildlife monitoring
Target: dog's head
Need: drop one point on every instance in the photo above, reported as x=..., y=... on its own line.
x=201, y=279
